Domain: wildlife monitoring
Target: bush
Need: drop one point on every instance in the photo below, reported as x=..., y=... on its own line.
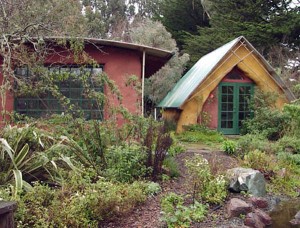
x=126, y=163
x=175, y=214
x=204, y=185
x=251, y=142
x=267, y=120
x=288, y=144
x=78, y=203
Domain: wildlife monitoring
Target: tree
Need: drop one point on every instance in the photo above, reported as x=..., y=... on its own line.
x=180, y=16
x=265, y=23
x=154, y=34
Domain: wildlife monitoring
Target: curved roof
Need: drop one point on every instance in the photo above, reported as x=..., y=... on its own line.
x=202, y=69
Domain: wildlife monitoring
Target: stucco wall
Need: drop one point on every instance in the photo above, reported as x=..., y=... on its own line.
x=119, y=64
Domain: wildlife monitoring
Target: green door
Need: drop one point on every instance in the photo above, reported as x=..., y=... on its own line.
x=233, y=106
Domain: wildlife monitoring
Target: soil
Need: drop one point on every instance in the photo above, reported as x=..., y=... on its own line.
x=148, y=214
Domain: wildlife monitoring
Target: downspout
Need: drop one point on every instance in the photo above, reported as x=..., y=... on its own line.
x=143, y=80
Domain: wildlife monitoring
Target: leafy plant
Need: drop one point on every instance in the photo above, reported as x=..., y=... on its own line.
x=175, y=214
x=229, y=147
x=205, y=186
x=126, y=163
x=171, y=167
x=28, y=154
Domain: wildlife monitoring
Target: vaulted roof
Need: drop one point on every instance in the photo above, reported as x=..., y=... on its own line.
x=205, y=66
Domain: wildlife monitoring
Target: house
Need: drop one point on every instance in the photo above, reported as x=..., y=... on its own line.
x=119, y=60
x=220, y=85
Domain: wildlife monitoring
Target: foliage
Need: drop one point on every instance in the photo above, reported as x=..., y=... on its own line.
x=229, y=147
x=153, y=33
x=126, y=163
x=171, y=167
x=29, y=154
x=281, y=171
x=264, y=23
x=205, y=186
x=251, y=142
x=198, y=133
x=293, y=111
x=78, y=203
x=172, y=12
x=288, y=144
x=267, y=120
x=175, y=214
x=157, y=142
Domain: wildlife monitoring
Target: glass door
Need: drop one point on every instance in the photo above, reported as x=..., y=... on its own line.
x=234, y=107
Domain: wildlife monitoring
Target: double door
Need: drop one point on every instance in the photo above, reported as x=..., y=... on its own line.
x=234, y=106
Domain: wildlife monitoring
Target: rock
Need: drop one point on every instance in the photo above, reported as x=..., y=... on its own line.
x=264, y=217
x=259, y=202
x=297, y=216
x=253, y=220
x=249, y=180
x=257, y=219
x=237, y=207
x=296, y=220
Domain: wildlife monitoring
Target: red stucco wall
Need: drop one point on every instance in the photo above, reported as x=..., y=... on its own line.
x=119, y=64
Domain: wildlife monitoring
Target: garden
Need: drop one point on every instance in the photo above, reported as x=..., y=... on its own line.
x=69, y=172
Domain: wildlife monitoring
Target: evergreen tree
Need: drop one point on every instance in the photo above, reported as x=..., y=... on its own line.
x=265, y=23
x=180, y=16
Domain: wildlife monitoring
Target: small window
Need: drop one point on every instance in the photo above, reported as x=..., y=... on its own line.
x=71, y=88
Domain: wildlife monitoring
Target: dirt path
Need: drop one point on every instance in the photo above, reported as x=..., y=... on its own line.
x=148, y=214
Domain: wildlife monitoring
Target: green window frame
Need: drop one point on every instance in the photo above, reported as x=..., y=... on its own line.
x=72, y=88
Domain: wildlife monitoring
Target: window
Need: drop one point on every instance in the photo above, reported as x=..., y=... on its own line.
x=71, y=87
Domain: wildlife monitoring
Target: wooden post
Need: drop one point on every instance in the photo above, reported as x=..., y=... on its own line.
x=7, y=214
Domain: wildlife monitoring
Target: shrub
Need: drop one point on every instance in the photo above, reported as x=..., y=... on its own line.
x=229, y=147
x=250, y=142
x=288, y=144
x=267, y=120
x=175, y=214
x=171, y=167
x=78, y=203
x=207, y=187
x=126, y=163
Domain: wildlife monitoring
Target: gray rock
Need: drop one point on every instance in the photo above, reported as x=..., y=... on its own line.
x=237, y=207
x=296, y=220
x=297, y=216
x=248, y=180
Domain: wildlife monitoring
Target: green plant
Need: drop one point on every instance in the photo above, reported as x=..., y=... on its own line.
x=288, y=144
x=199, y=133
x=152, y=188
x=29, y=154
x=250, y=142
x=126, y=163
x=171, y=167
x=229, y=147
x=267, y=119
x=175, y=214
x=205, y=186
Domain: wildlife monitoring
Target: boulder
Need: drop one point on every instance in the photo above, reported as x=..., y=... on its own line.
x=257, y=219
x=248, y=180
x=296, y=220
x=252, y=220
x=259, y=202
x=237, y=207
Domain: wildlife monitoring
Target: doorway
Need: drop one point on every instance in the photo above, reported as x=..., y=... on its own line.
x=234, y=106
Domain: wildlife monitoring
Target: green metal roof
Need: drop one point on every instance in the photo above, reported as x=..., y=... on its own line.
x=192, y=79
x=205, y=65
